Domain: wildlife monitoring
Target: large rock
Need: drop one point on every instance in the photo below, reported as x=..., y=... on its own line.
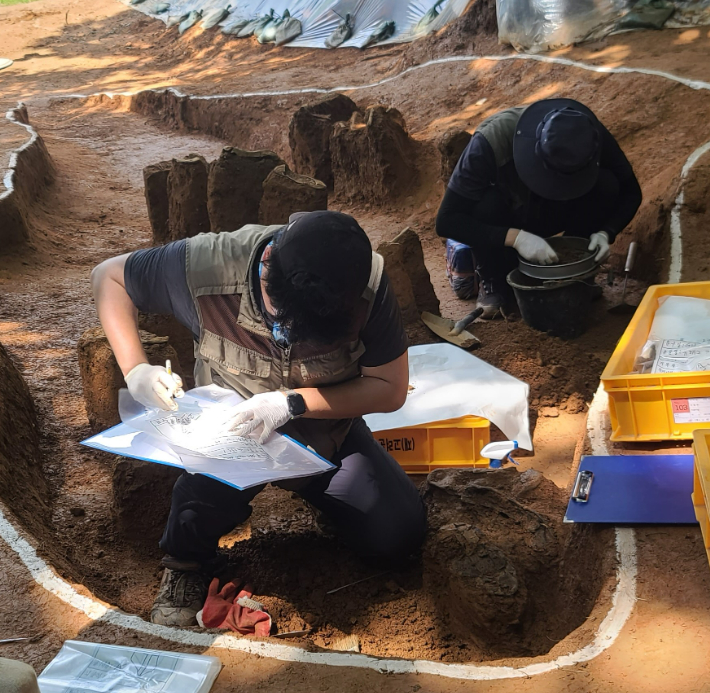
x=155, y=180
x=501, y=563
x=286, y=192
x=141, y=499
x=410, y=281
x=23, y=486
x=373, y=157
x=235, y=187
x=309, y=135
x=187, y=197
x=101, y=378
x=451, y=146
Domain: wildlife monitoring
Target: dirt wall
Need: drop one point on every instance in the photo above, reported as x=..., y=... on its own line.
x=33, y=172
x=23, y=486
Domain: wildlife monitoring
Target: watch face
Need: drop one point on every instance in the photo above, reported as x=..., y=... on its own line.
x=296, y=405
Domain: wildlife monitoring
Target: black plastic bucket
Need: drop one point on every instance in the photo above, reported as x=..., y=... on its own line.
x=560, y=308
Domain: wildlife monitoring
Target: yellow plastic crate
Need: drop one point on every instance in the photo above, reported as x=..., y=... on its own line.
x=701, y=483
x=654, y=406
x=449, y=443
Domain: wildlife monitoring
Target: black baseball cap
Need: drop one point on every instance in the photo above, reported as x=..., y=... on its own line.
x=330, y=246
x=557, y=148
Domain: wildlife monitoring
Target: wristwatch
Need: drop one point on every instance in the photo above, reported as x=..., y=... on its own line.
x=296, y=404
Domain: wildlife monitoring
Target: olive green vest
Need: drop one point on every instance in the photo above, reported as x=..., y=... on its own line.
x=236, y=348
x=499, y=131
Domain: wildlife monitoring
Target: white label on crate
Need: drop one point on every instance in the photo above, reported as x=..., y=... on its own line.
x=691, y=410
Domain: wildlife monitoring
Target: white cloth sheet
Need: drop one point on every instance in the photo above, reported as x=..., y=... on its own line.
x=449, y=383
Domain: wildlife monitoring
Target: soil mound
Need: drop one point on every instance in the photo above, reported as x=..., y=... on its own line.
x=373, y=156
x=235, y=187
x=507, y=572
x=309, y=135
x=187, y=197
x=286, y=192
x=23, y=486
x=101, y=377
x=411, y=283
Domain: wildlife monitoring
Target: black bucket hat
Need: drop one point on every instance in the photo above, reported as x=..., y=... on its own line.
x=557, y=147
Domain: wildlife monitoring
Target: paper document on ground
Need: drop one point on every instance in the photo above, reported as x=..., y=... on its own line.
x=85, y=667
x=184, y=439
x=447, y=383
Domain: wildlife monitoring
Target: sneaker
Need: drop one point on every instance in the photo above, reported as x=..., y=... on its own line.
x=181, y=595
x=489, y=298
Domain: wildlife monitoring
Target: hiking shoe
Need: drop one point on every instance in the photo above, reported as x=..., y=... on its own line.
x=490, y=299
x=181, y=595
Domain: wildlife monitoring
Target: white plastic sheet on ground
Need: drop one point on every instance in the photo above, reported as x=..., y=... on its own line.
x=448, y=383
x=542, y=25
x=320, y=18
x=93, y=668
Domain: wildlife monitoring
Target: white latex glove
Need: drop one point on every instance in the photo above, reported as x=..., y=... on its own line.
x=534, y=249
x=259, y=416
x=599, y=242
x=153, y=386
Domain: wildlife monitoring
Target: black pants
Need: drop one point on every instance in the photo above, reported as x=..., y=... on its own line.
x=471, y=222
x=369, y=499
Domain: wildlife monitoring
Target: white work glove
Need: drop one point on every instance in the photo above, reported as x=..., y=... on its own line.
x=534, y=249
x=259, y=416
x=153, y=386
x=599, y=242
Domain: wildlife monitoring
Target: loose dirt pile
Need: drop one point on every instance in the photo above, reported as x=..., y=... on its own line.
x=500, y=575
x=559, y=372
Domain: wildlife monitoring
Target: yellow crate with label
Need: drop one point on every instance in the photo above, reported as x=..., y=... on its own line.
x=701, y=483
x=654, y=406
x=442, y=444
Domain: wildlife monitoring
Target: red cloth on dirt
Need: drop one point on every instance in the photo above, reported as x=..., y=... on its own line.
x=222, y=611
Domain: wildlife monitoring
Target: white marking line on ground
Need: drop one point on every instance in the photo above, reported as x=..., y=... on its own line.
x=624, y=595
x=8, y=178
x=676, y=264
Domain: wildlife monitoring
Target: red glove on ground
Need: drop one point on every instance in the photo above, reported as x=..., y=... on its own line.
x=241, y=614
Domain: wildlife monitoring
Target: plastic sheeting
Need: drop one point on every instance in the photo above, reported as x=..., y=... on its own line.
x=541, y=25
x=320, y=18
x=448, y=383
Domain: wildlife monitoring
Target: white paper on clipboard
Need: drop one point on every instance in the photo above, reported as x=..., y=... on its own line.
x=240, y=463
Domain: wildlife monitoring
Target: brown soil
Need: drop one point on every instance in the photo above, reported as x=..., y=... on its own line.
x=22, y=482
x=567, y=255
x=97, y=209
x=118, y=559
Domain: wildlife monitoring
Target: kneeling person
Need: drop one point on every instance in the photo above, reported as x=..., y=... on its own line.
x=300, y=320
x=529, y=173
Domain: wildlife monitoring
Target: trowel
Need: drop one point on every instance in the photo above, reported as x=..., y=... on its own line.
x=626, y=308
x=454, y=331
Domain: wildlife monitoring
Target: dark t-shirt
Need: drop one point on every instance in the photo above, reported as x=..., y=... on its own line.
x=156, y=282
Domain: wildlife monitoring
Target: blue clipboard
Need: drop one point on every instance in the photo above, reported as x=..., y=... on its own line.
x=633, y=489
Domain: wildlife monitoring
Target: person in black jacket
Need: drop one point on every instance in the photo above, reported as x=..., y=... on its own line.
x=529, y=173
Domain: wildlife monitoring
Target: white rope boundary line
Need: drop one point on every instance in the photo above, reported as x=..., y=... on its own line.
x=624, y=597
